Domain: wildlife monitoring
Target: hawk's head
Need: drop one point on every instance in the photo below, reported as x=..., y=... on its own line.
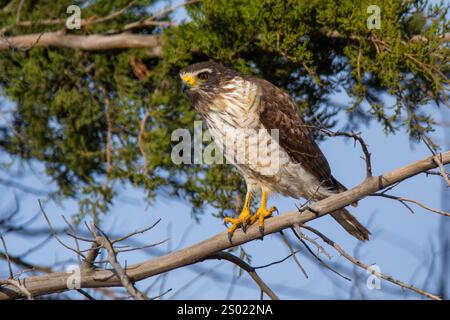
x=203, y=81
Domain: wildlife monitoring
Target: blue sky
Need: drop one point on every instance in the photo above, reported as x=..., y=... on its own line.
x=402, y=244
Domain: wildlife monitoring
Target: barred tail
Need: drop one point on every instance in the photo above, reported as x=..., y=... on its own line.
x=350, y=224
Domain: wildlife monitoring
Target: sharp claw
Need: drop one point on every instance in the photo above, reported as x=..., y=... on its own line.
x=230, y=236
x=261, y=231
x=244, y=226
x=312, y=210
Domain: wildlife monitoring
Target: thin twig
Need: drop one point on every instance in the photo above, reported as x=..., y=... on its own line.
x=136, y=232
x=188, y=283
x=161, y=294
x=36, y=247
x=55, y=235
x=152, y=245
x=366, y=267
x=278, y=261
x=120, y=272
x=19, y=9
x=288, y=244
x=108, y=114
x=438, y=160
x=87, y=295
x=357, y=137
x=250, y=270
x=20, y=262
x=141, y=139
x=74, y=231
x=320, y=248
x=8, y=260
x=298, y=235
x=403, y=200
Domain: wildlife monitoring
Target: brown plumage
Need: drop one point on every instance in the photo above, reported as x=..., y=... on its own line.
x=230, y=101
x=280, y=111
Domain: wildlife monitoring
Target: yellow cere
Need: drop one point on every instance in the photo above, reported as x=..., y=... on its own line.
x=188, y=79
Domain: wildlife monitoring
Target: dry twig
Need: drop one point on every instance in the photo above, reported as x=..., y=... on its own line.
x=250, y=270
x=366, y=267
x=403, y=200
x=288, y=244
x=121, y=273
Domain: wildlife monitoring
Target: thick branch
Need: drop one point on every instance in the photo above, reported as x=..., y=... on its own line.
x=56, y=282
x=84, y=42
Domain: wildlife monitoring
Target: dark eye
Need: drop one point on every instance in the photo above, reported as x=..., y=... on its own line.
x=203, y=76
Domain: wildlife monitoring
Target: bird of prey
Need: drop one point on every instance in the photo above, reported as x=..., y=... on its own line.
x=236, y=104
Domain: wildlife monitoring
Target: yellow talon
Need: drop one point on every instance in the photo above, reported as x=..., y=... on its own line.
x=245, y=218
x=242, y=220
x=262, y=213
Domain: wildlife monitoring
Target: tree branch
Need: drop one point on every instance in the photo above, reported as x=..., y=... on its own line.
x=442, y=170
x=84, y=42
x=403, y=200
x=120, y=271
x=56, y=282
x=250, y=270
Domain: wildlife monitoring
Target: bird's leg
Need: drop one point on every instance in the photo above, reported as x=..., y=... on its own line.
x=262, y=213
x=243, y=219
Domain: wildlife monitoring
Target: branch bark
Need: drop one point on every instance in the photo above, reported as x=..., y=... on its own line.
x=84, y=42
x=56, y=282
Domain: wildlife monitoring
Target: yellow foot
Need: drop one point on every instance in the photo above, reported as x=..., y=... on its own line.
x=241, y=221
x=261, y=214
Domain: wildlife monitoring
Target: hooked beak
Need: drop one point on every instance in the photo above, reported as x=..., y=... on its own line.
x=188, y=81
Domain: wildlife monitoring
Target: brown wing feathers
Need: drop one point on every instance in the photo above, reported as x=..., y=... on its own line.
x=280, y=112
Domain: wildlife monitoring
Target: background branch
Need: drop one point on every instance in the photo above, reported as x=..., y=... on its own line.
x=84, y=42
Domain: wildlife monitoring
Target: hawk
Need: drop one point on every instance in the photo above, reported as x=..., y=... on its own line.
x=234, y=104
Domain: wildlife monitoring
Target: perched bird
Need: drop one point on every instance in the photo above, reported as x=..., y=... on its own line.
x=234, y=104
